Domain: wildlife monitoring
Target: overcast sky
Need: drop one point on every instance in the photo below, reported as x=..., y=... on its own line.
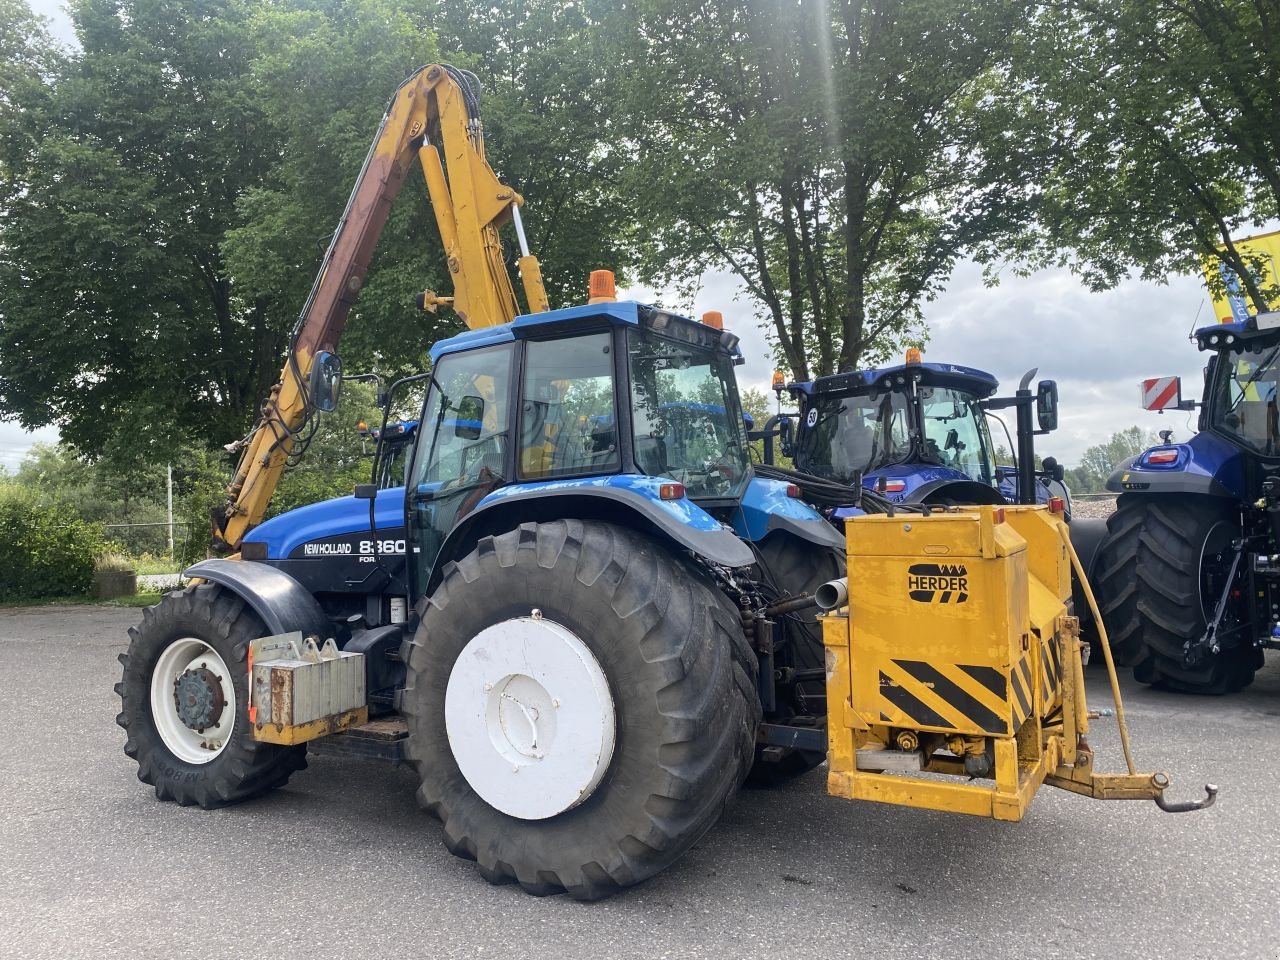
x=1097, y=346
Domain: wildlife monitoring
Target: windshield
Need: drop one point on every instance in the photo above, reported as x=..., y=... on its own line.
x=842, y=437
x=463, y=431
x=1245, y=401
x=686, y=418
x=955, y=432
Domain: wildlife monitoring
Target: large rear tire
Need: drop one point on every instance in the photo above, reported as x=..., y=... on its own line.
x=1157, y=579
x=185, y=697
x=646, y=652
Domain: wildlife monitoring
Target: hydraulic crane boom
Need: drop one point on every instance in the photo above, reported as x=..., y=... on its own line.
x=435, y=115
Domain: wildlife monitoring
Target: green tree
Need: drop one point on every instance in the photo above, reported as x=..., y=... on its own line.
x=1153, y=132
x=115, y=301
x=1099, y=461
x=836, y=157
x=552, y=112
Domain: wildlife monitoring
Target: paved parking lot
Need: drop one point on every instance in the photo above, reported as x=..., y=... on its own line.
x=343, y=864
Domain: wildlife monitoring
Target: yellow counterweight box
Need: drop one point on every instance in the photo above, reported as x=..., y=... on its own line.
x=954, y=674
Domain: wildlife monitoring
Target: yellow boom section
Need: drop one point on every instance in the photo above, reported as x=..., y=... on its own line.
x=434, y=116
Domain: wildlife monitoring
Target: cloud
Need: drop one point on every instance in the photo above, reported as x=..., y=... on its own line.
x=1097, y=346
x=15, y=442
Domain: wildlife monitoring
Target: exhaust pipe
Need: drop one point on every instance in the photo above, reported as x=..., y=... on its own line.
x=833, y=594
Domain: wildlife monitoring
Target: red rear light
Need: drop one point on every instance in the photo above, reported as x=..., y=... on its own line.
x=793, y=490
x=1057, y=505
x=671, y=491
x=895, y=486
x=1162, y=456
x=997, y=515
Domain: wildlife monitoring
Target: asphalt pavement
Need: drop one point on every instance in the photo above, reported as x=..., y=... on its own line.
x=341, y=863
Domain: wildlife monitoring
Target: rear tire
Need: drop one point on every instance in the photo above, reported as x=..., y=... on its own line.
x=681, y=688
x=199, y=636
x=1151, y=591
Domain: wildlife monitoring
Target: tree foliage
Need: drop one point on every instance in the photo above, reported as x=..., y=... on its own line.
x=833, y=156
x=1153, y=132
x=1099, y=461
x=173, y=183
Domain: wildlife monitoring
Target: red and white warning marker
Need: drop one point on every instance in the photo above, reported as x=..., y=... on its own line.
x=1162, y=393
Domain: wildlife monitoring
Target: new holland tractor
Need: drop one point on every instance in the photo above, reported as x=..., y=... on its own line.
x=1189, y=575
x=598, y=643
x=918, y=432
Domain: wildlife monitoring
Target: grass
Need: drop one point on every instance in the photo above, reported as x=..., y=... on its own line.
x=150, y=563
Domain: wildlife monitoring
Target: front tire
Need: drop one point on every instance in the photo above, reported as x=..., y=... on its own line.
x=1156, y=589
x=184, y=702
x=679, y=705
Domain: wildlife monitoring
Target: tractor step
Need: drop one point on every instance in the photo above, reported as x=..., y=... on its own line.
x=381, y=739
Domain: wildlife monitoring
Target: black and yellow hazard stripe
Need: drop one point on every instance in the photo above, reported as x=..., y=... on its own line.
x=1050, y=671
x=1023, y=690
x=966, y=698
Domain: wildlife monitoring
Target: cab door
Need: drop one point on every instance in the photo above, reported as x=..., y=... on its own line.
x=464, y=450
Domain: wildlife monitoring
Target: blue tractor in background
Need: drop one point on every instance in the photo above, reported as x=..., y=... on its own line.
x=918, y=433
x=1188, y=578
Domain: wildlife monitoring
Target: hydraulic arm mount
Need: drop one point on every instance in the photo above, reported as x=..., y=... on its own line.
x=435, y=116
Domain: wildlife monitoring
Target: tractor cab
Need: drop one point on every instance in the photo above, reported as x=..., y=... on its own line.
x=394, y=452
x=602, y=402
x=918, y=432
x=908, y=430
x=1242, y=382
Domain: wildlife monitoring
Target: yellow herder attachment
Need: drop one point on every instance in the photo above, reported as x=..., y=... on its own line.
x=956, y=682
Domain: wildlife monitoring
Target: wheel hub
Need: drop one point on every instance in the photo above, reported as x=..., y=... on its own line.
x=530, y=718
x=197, y=694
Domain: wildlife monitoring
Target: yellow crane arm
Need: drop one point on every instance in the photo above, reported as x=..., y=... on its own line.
x=435, y=115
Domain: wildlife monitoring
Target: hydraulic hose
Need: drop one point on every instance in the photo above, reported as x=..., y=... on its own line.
x=1106, y=650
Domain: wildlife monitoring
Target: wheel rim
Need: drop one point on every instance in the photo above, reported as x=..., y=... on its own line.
x=193, y=701
x=529, y=716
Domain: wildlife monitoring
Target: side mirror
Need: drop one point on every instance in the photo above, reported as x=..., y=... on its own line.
x=1053, y=469
x=787, y=437
x=366, y=491
x=748, y=421
x=325, y=383
x=470, y=420
x=1047, y=405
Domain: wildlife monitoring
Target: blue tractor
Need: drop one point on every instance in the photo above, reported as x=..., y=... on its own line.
x=579, y=514
x=1187, y=578
x=918, y=433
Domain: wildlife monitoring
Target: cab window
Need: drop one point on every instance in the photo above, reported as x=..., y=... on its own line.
x=955, y=432
x=568, y=425
x=464, y=424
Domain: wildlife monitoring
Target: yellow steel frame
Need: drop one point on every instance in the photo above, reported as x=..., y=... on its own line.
x=926, y=669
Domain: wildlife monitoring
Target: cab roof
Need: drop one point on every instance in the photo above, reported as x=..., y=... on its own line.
x=977, y=382
x=1218, y=335
x=625, y=313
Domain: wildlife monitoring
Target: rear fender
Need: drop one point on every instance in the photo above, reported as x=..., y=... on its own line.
x=283, y=604
x=622, y=500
